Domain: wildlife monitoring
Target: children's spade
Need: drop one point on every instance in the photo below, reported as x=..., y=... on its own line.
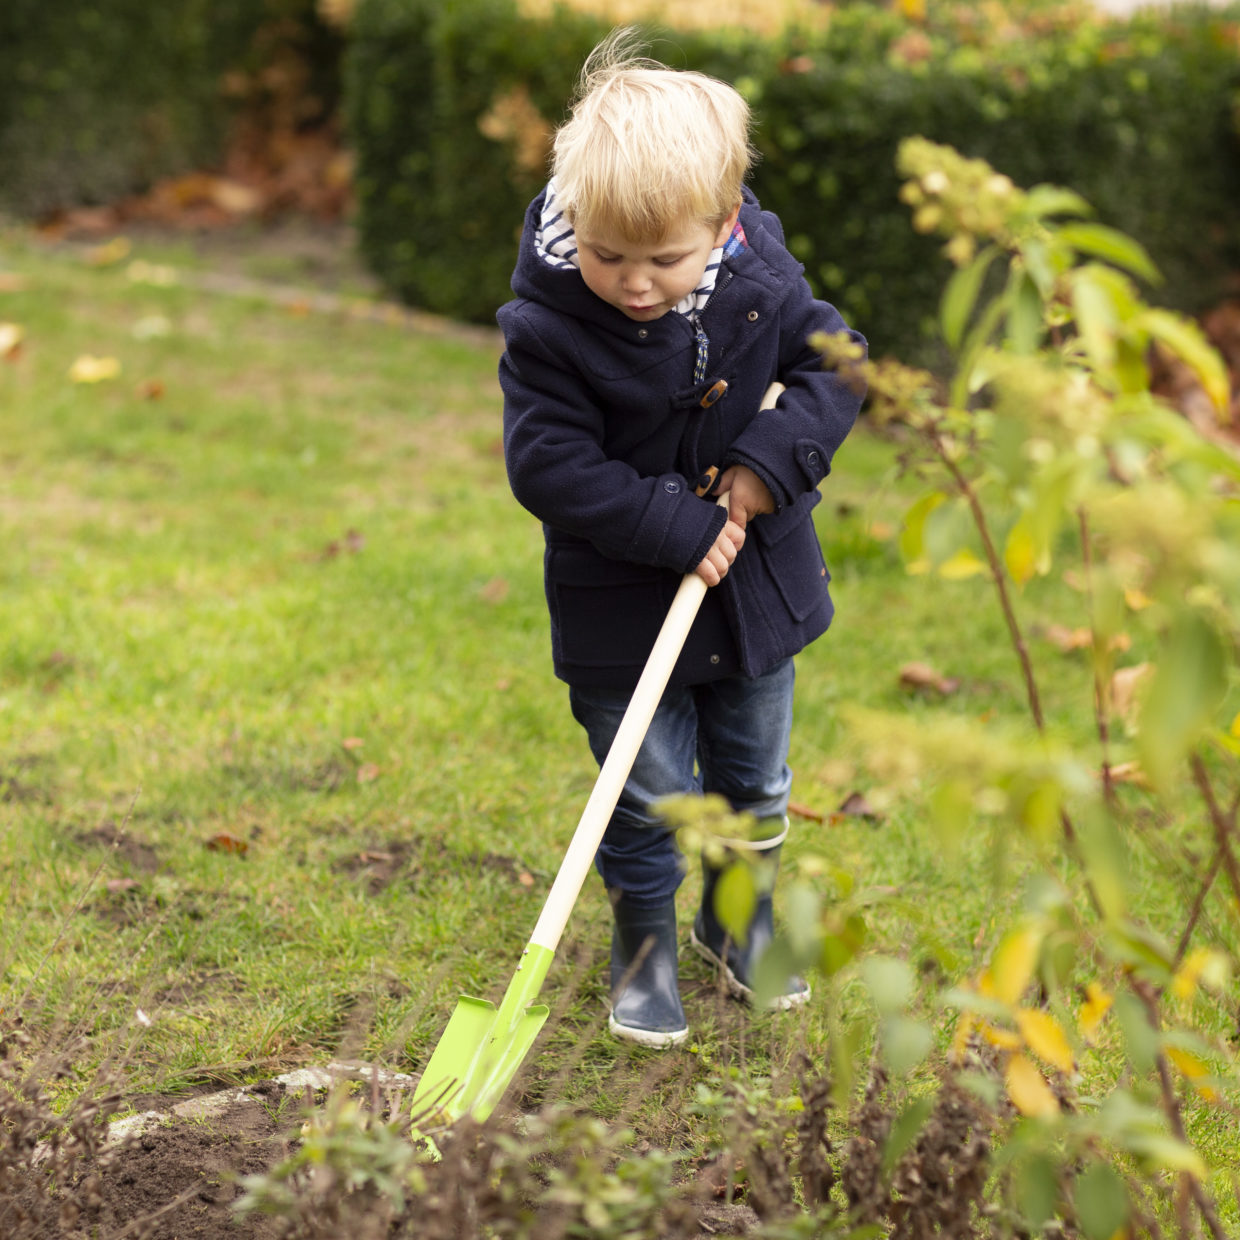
x=483, y=1045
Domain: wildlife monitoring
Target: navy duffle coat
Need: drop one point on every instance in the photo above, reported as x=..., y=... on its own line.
x=606, y=436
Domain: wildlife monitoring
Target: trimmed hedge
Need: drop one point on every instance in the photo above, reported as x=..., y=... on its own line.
x=1139, y=117
x=99, y=98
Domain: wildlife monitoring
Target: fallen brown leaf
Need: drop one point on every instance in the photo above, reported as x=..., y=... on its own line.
x=116, y=885
x=1125, y=686
x=352, y=742
x=150, y=389
x=921, y=677
x=495, y=591
x=223, y=842
x=367, y=773
x=855, y=805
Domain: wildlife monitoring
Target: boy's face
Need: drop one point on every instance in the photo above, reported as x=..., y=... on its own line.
x=646, y=281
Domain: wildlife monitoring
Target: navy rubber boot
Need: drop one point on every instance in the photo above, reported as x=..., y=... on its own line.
x=737, y=960
x=645, y=989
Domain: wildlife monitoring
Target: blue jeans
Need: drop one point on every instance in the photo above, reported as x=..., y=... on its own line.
x=728, y=737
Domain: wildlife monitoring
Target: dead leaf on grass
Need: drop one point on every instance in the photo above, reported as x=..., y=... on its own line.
x=526, y=879
x=922, y=678
x=150, y=389
x=1128, y=773
x=1125, y=687
x=91, y=369
x=352, y=742
x=117, y=885
x=109, y=253
x=367, y=773
x=225, y=843
x=11, y=337
x=1067, y=640
x=352, y=543
x=13, y=282
x=495, y=591
x=856, y=805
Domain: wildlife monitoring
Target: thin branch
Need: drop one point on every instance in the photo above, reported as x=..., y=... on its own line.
x=996, y=571
x=1224, y=824
x=1195, y=913
x=1100, y=705
x=1171, y=1107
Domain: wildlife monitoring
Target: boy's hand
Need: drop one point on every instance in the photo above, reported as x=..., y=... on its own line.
x=714, y=568
x=749, y=495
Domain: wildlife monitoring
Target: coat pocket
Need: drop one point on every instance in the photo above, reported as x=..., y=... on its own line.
x=605, y=614
x=793, y=557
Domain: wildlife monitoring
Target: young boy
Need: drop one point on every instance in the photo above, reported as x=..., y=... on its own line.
x=655, y=304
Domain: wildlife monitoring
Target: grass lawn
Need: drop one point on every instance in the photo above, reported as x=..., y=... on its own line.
x=283, y=766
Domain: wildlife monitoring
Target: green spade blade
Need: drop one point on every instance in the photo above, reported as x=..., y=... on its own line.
x=482, y=1048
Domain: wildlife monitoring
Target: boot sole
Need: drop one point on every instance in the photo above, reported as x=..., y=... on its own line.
x=737, y=989
x=656, y=1039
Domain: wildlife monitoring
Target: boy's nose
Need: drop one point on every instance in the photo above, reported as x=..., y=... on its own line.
x=635, y=281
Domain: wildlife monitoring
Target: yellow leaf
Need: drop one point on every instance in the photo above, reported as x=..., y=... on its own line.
x=964, y=1031
x=1020, y=554
x=914, y=10
x=962, y=565
x=1027, y=1088
x=91, y=369
x=109, y=252
x=1004, y=1039
x=1137, y=600
x=1194, y=1070
x=11, y=335
x=1097, y=1004
x=1235, y=727
x=1045, y=1038
x=1011, y=967
x=1201, y=966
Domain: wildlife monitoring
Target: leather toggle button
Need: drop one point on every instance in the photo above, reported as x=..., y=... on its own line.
x=713, y=393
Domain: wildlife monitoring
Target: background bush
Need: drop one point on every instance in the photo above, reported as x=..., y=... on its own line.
x=1139, y=117
x=99, y=99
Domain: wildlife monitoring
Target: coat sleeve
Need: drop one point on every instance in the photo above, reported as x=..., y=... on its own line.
x=792, y=447
x=559, y=471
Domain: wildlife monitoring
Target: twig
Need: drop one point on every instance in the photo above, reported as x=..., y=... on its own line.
x=996, y=571
x=1171, y=1107
x=1224, y=824
x=1100, y=706
x=1195, y=913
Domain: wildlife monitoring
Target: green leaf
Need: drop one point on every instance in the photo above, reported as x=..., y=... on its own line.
x=905, y=1043
x=960, y=295
x=1026, y=318
x=736, y=897
x=1110, y=244
x=1037, y=1189
x=1187, y=341
x=912, y=536
x=891, y=983
x=1097, y=322
x=905, y=1130
x=776, y=966
x=1189, y=684
x=1140, y=1039
x=1043, y=200
x=1101, y=1199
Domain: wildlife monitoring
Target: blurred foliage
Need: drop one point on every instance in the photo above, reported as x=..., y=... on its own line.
x=450, y=106
x=100, y=100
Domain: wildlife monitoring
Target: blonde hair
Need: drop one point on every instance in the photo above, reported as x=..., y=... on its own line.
x=649, y=148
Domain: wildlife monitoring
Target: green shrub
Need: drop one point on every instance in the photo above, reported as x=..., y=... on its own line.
x=98, y=100
x=1136, y=116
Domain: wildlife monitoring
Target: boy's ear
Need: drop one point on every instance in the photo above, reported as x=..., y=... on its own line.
x=725, y=229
